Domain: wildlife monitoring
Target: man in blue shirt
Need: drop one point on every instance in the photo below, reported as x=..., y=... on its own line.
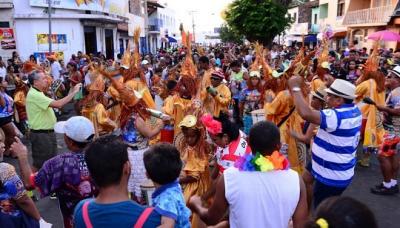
x=108, y=164
x=334, y=148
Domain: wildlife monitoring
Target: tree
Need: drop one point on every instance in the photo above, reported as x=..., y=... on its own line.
x=227, y=34
x=258, y=20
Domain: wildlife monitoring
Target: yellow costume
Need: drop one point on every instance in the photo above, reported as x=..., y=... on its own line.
x=275, y=112
x=196, y=167
x=316, y=83
x=221, y=100
x=374, y=130
x=134, y=84
x=177, y=108
x=208, y=102
x=99, y=117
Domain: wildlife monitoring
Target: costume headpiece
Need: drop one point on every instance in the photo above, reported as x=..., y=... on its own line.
x=188, y=68
x=372, y=63
x=126, y=58
x=214, y=127
x=29, y=66
x=98, y=84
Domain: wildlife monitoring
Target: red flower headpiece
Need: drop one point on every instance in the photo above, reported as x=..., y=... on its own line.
x=214, y=127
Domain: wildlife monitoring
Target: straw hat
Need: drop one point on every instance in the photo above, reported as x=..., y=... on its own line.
x=188, y=121
x=320, y=93
x=342, y=88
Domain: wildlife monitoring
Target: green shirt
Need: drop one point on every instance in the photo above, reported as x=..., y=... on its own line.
x=40, y=115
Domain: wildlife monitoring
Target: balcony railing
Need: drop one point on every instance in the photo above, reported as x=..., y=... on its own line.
x=154, y=28
x=378, y=15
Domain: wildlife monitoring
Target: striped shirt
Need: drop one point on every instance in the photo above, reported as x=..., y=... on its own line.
x=335, y=145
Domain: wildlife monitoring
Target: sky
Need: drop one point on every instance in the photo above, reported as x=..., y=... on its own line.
x=207, y=15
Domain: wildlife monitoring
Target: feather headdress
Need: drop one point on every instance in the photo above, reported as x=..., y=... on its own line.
x=372, y=63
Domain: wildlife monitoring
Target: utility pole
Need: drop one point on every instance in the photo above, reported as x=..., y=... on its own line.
x=193, y=25
x=146, y=26
x=50, y=33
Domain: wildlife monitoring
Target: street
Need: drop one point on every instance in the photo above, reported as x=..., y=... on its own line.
x=385, y=208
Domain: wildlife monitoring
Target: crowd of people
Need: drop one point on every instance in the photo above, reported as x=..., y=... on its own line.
x=224, y=136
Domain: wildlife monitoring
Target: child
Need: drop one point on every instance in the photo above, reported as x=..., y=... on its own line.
x=343, y=212
x=163, y=166
x=195, y=176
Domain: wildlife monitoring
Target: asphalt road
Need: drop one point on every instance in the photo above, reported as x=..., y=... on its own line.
x=385, y=208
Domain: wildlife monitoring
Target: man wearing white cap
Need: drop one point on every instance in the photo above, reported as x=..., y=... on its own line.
x=148, y=72
x=67, y=174
x=334, y=148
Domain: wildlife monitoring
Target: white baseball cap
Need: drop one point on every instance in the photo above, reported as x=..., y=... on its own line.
x=144, y=62
x=77, y=128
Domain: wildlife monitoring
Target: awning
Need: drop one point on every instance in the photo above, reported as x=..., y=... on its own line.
x=340, y=34
x=171, y=39
x=312, y=38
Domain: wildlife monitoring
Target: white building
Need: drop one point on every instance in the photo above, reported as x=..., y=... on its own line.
x=7, y=33
x=90, y=28
x=163, y=26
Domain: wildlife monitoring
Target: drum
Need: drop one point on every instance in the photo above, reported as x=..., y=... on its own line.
x=167, y=134
x=147, y=188
x=258, y=115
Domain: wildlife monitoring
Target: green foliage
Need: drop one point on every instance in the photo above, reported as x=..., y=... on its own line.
x=258, y=20
x=228, y=35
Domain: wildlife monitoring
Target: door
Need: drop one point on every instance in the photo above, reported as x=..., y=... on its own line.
x=90, y=39
x=109, y=39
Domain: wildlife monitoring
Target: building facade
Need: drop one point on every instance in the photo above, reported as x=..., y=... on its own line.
x=163, y=26
x=368, y=16
x=92, y=27
x=7, y=33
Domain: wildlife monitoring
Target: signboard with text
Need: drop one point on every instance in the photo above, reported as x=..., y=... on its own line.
x=7, y=39
x=117, y=7
x=55, y=38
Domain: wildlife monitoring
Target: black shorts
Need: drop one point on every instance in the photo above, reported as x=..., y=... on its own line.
x=5, y=120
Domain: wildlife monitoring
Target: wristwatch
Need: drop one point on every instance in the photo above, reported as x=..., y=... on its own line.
x=296, y=89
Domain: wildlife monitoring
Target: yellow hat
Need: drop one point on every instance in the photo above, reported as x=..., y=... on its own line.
x=188, y=121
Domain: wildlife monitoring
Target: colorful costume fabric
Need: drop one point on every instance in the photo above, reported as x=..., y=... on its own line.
x=98, y=115
x=374, y=131
x=276, y=111
x=11, y=189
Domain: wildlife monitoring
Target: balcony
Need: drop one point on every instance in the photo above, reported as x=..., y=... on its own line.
x=376, y=16
x=6, y=4
x=154, y=29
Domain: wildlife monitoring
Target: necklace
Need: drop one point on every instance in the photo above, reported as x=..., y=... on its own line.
x=258, y=162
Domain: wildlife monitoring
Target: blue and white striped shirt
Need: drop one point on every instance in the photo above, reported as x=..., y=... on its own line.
x=335, y=145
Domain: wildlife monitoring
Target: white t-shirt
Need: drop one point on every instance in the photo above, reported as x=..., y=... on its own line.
x=261, y=199
x=3, y=72
x=55, y=70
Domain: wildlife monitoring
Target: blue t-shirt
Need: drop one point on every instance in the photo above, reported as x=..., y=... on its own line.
x=169, y=202
x=122, y=214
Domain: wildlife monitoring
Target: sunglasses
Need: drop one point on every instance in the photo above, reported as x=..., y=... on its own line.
x=216, y=79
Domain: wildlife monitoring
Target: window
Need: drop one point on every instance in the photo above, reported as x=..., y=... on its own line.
x=323, y=11
x=4, y=24
x=340, y=8
x=315, y=19
x=295, y=17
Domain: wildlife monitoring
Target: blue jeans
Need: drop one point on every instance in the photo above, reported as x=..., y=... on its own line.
x=322, y=191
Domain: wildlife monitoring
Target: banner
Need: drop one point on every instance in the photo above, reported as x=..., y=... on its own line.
x=55, y=38
x=117, y=7
x=42, y=56
x=7, y=39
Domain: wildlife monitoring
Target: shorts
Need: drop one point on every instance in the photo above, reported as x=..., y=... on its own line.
x=323, y=191
x=5, y=120
x=390, y=146
x=44, y=147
